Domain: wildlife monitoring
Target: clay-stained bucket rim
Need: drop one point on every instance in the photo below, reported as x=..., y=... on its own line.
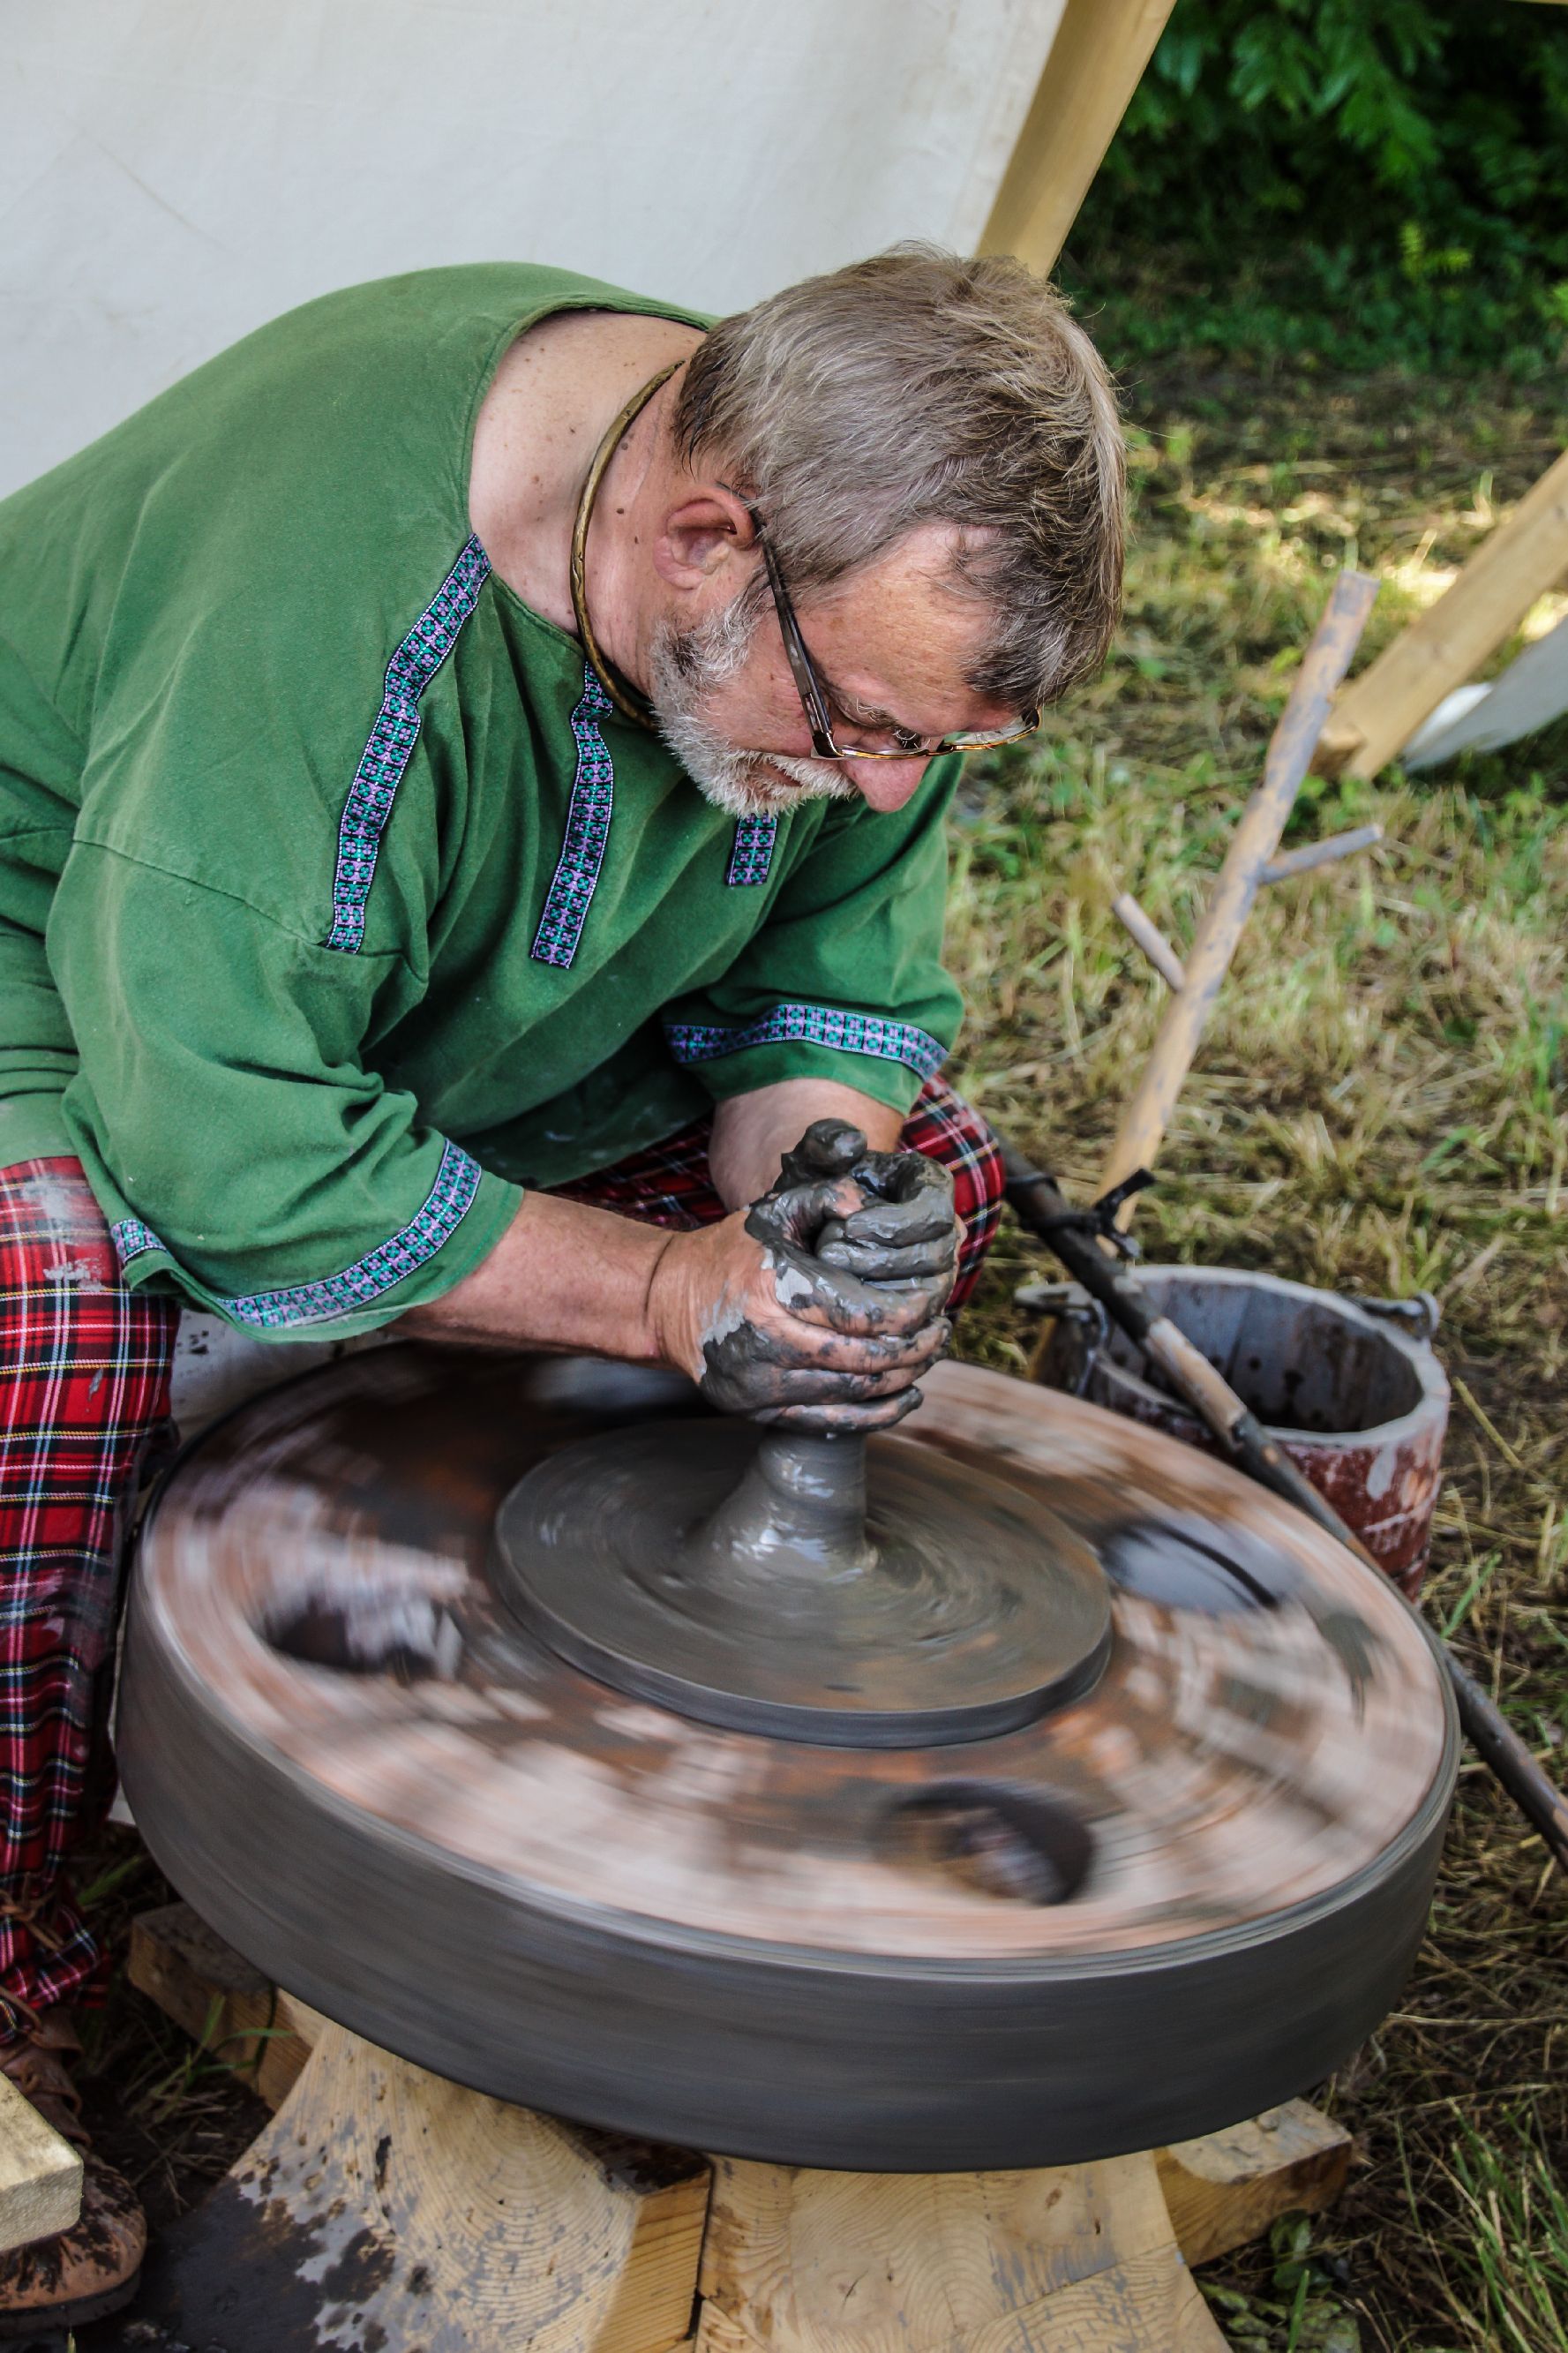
x=1420, y=1355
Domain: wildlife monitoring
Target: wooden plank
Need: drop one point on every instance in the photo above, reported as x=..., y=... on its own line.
x=1095, y=63
x=1228, y=2187
x=1378, y=712
x=40, y=2173
x=222, y=2002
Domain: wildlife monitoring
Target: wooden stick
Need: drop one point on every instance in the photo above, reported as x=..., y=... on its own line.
x=1376, y=716
x=1253, y=844
x=1314, y=854
x=1149, y=938
x=1038, y=1206
x=1094, y=65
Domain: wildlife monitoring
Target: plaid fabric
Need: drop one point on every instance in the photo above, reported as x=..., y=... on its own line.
x=669, y=1185
x=84, y=1386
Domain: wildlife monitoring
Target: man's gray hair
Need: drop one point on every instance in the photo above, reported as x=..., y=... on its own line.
x=919, y=387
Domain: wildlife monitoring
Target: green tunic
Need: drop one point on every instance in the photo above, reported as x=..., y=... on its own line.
x=336, y=902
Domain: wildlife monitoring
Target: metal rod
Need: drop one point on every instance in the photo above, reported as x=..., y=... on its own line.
x=1040, y=1209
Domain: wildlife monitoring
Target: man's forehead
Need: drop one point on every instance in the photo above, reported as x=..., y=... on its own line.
x=902, y=625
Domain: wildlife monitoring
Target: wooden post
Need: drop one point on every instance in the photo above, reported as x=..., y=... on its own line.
x=1079, y=2258
x=1095, y=63
x=1252, y=845
x=385, y=2206
x=1380, y=711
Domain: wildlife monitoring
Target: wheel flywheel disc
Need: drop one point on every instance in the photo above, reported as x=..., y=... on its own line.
x=1184, y=1888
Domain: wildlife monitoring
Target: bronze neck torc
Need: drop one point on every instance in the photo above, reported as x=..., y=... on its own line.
x=626, y=698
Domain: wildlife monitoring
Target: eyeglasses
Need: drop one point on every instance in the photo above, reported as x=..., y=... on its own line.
x=818, y=708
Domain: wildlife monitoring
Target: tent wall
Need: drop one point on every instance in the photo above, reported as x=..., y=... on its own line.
x=175, y=171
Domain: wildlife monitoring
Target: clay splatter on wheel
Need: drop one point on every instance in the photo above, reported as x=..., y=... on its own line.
x=1183, y=1888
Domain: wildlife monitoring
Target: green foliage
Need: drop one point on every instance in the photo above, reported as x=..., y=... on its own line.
x=1299, y=2312
x=1350, y=181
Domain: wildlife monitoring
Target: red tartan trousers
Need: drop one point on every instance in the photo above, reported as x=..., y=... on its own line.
x=84, y=1395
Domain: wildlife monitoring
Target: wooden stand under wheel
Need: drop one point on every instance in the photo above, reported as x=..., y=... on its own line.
x=927, y=1939
x=386, y=2209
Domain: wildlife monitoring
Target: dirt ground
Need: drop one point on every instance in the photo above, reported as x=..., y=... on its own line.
x=1380, y=1106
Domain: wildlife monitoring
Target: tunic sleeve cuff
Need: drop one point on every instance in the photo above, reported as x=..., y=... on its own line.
x=458, y=1223
x=888, y=1059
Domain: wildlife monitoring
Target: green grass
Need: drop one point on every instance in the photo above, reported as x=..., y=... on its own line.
x=1381, y=1104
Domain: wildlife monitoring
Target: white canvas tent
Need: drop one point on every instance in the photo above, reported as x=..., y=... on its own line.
x=174, y=172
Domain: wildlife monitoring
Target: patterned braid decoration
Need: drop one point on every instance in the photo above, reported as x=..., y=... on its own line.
x=816, y=1025
x=386, y=754
x=591, y=807
x=359, y=1285
x=753, y=852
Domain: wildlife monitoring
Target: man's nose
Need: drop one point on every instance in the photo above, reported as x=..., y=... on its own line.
x=887, y=785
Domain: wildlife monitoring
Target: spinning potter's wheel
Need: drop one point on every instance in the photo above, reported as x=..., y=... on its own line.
x=1066, y=1796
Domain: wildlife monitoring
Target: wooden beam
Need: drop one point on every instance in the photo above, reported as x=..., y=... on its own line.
x=1252, y=846
x=1379, y=712
x=222, y=2002
x=1095, y=63
x=40, y=2173
x=1228, y=2187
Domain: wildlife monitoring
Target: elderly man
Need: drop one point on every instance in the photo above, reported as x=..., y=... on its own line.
x=473, y=760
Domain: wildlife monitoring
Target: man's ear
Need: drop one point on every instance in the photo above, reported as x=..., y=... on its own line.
x=705, y=529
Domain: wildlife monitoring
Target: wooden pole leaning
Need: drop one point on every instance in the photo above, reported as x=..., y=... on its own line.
x=1094, y=65
x=1245, y=869
x=1377, y=715
x=1251, y=861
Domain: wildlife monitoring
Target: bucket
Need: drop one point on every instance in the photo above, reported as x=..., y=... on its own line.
x=1351, y=1388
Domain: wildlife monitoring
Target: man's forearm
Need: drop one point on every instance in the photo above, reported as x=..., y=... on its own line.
x=570, y=1277
x=561, y=1276
x=751, y=1132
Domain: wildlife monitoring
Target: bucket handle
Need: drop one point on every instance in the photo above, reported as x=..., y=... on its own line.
x=1419, y=1315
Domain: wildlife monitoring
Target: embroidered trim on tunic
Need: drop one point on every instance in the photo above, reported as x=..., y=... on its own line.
x=386, y=754
x=754, y=850
x=130, y=1238
x=588, y=818
x=815, y=1025
x=435, y=1222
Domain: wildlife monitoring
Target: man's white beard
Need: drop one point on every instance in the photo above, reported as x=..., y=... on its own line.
x=685, y=666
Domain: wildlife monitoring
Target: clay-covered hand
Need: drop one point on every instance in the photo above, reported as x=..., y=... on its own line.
x=770, y=1328
x=906, y=1230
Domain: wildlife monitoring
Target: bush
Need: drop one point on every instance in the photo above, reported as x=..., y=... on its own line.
x=1356, y=181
